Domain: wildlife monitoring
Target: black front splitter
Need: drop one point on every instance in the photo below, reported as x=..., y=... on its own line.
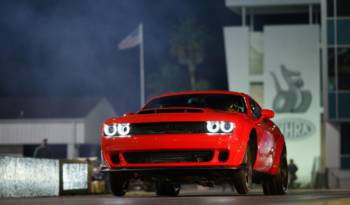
x=172, y=171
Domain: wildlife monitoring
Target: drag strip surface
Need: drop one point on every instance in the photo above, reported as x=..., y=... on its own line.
x=308, y=197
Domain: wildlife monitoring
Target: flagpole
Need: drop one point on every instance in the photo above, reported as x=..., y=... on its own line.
x=142, y=69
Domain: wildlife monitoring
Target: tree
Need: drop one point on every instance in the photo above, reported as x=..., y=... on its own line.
x=166, y=79
x=188, y=46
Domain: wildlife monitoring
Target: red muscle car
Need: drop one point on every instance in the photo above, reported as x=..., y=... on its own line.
x=203, y=137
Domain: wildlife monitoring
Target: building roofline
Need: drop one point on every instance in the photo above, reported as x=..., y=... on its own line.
x=40, y=120
x=263, y=3
x=271, y=6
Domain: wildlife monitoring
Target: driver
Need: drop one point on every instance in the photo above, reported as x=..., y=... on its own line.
x=234, y=108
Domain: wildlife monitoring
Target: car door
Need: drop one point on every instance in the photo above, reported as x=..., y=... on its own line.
x=265, y=139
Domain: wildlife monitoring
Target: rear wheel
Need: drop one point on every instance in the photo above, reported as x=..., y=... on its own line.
x=167, y=189
x=277, y=184
x=243, y=178
x=119, y=184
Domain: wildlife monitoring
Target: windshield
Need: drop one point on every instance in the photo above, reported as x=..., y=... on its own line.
x=230, y=103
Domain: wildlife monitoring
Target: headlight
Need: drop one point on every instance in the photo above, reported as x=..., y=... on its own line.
x=213, y=126
x=116, y=130
x=220, y=126
x=123, y=129
x=227, y=126
x=110, y=130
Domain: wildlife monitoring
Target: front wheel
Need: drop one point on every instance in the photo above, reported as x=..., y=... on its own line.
x=277, y=184
x=119, y=184
x=243, y=178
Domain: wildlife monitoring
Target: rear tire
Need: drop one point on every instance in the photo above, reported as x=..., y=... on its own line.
x=277, y=184
x=167, y=189
x=243, y=178
x=119, y=184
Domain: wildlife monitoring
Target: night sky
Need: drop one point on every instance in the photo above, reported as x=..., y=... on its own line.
x=69, y=48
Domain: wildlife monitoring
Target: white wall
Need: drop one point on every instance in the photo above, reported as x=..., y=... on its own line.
x=58, y=131
x=32, y=131
x=296, y=47
x=237, y=58
x=332, y=145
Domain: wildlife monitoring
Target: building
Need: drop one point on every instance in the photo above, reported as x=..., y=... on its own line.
x=292, y=56
x=72, y=126
x=336, y=63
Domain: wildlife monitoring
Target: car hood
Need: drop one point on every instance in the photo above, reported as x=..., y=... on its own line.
x=203, y=115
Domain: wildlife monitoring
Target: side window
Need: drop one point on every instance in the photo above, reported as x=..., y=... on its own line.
x=256, y=110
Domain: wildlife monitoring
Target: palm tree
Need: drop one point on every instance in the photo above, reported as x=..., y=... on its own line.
x=165, y=79
x=188, y=45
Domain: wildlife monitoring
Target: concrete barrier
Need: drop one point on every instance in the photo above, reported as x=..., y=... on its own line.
x=28, y=177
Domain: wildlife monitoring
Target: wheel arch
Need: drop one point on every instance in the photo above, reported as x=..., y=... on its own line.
x=247, y=135
x=280, y=150
x=253, y=142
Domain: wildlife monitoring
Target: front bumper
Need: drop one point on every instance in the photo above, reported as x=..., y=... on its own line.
x=216, y=143
x=166, y=169
x=174, y=171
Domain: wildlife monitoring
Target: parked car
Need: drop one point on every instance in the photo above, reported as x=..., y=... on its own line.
x=203, y=137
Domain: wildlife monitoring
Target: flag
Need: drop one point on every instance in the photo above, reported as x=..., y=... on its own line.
x=132, y=40
x=135, y=38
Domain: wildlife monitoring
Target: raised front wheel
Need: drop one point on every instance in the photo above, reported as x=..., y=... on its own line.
x=242, y=179
x=119, y=184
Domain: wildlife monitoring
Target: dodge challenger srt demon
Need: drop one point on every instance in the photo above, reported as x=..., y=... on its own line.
x=203, y=137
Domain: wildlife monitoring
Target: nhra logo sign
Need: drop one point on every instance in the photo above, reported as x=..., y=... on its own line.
x=296, y=128
x=294, y=99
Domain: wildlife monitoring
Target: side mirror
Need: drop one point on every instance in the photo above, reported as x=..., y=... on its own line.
x=267, y=113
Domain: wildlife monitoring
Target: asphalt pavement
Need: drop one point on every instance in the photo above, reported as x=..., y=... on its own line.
x=300, y=197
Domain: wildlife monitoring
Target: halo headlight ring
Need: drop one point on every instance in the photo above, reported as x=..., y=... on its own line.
x=226, y=127
x=110, y=130
x=220, y=126
x=123, y=129
x=213, y=126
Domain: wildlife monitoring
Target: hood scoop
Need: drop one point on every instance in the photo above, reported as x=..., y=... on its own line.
x=171, y=110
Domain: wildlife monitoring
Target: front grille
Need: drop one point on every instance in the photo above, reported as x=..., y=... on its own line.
x=168, y=128
x=168, y=156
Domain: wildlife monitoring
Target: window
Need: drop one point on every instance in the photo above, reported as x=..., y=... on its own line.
x=256, y=53
x=343, y=8
x=332, y=105
x=224, y=102
x=343, y=31
x=330, y=7
x=257, y=91
x=343, y=106
x=345, y=145
x=256, y=110
x=343, y=68
x=331, y=69
x=330, y=32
